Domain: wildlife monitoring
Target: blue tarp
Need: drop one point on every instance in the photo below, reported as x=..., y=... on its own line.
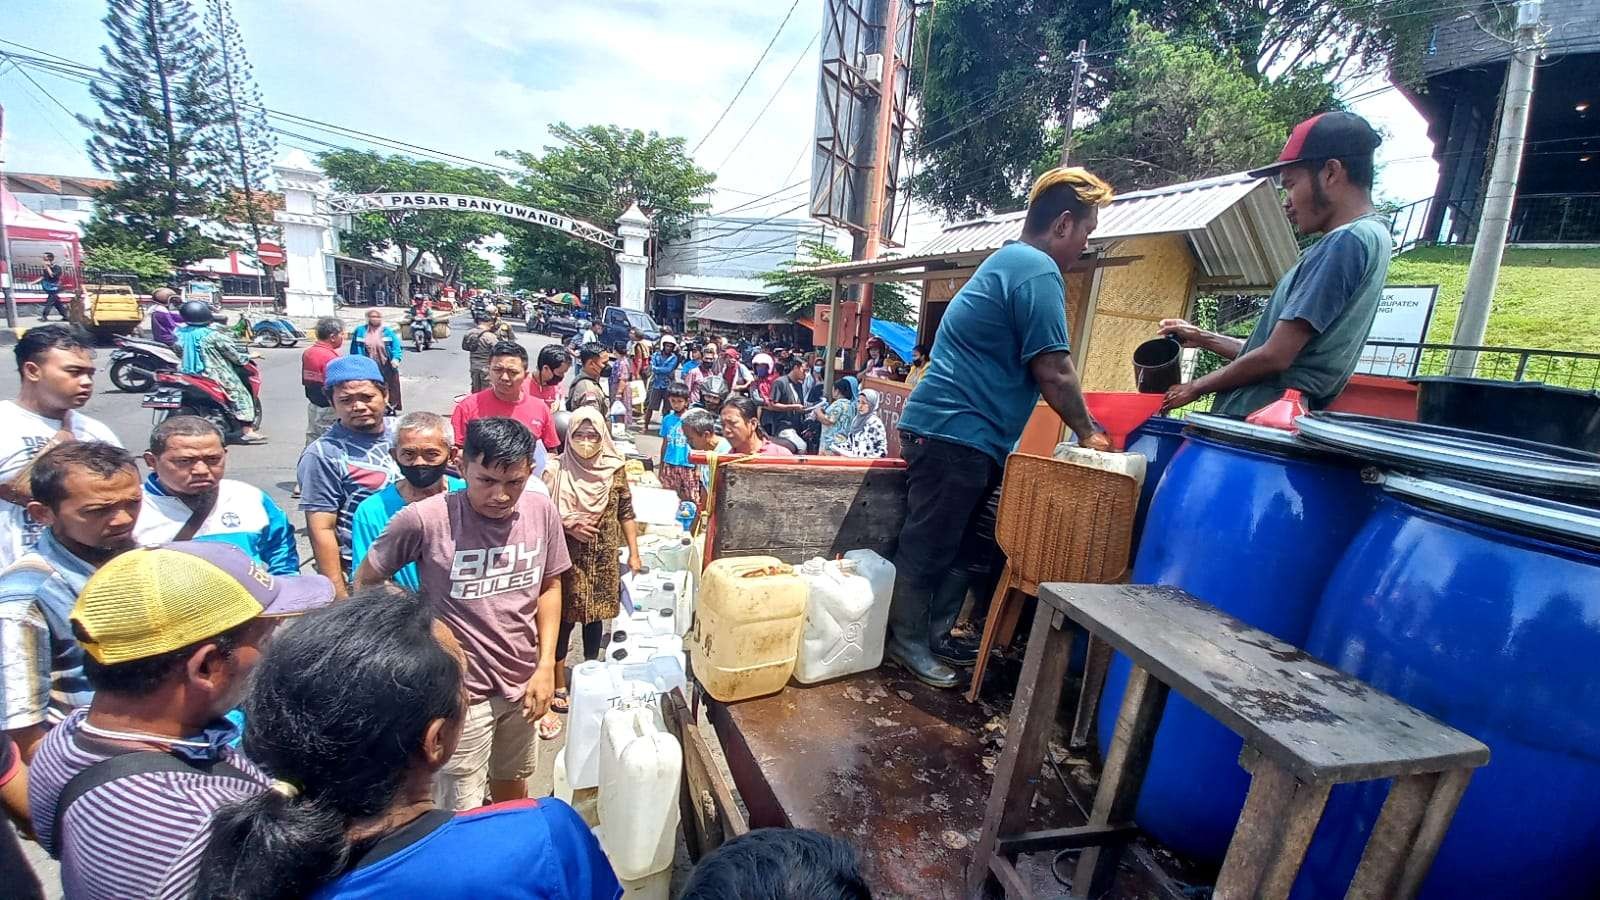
x=898, y=338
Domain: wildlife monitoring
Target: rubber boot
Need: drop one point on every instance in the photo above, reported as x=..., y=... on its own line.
x=945, y=608
x=908, y=638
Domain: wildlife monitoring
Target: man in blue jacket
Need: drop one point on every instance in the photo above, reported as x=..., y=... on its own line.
x=186, y=498
x=664, y=365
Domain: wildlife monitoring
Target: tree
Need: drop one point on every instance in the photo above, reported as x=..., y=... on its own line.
x=1183, y=111
x=999, y=72
x=446, y=234
x=158, y=132
x=799, y=293
x=594, y=174
x=149, y=270
x=248, y=141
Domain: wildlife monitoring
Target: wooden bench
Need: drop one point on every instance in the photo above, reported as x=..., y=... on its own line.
x=1306, y=727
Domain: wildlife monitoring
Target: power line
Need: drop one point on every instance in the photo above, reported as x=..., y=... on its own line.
x=781, y=85
x=751, y=74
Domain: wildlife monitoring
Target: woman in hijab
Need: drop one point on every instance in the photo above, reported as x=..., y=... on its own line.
x=382, y=344
x=865, y=438
x=837, y=416
x=216, y=355
x=590, y=485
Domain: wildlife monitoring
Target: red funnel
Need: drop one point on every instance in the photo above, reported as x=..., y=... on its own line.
x=1120, y=412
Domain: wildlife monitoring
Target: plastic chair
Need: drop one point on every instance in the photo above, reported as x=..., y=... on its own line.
x=1058, y=521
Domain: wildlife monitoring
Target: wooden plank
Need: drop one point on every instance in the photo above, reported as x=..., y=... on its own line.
x=706, y=799
x=1077, y=836
x=1010, y=880
x=1033, y=715
x=1435, y=822
x=1096, y=663
x=798, y=512
x=1142, y=704
x=1280, y=815
x=1321, y=724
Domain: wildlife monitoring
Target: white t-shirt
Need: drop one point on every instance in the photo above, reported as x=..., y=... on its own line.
x=22, y=435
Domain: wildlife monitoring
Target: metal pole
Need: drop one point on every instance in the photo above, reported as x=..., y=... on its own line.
x=5, y=241
x=877, y=186
x=833, y=341
x=1483, y=272
x=1080, y=63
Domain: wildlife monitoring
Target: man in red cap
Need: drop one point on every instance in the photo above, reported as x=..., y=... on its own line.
x=1311, y=333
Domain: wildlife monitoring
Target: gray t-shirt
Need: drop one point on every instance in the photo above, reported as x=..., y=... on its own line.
x=485, y=575
x=1335, y=288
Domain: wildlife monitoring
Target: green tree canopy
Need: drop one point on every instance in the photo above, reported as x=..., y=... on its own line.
x=150, y=270
x=159, y=132
x=1183, y=111
x=446, y=234
x=799, y=293
x=593, y=174
x=999, y=74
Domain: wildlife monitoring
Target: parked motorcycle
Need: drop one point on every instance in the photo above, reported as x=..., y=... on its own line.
x=421, y=331
x=178, y=394
x=136, y=361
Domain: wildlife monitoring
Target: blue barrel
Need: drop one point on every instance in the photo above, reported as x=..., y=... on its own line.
x=1481, y=608
x=1157, y=440
x=1252, y=521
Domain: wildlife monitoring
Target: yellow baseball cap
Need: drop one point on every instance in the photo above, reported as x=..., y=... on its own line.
x=154, y=600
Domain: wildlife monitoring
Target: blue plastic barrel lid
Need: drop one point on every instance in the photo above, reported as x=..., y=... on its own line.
x=1565, y=521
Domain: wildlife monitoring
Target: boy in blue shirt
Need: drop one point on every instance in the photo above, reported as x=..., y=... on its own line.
x=675, y=471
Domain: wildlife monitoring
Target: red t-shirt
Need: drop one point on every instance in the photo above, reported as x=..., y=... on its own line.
x=773, y=448
x=314, y=362
x=530, y=411
x=549, y=393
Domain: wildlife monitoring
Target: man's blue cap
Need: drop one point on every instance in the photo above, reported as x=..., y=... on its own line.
x=351, y=368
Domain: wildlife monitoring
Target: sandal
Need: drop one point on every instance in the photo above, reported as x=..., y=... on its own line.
x=253, y=438
x=549, y=727
x=559, y=704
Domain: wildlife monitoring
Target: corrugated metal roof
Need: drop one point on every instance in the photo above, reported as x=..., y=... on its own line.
x=1234, y=223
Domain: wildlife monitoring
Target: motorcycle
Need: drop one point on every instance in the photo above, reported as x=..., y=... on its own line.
x=136, y=362
x=178, y=394
x=421, y=331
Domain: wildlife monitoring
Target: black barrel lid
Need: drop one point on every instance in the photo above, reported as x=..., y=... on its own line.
x=1525, y=467
x=1564, y=522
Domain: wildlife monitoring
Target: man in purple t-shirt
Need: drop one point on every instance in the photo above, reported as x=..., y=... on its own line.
x=491, y=557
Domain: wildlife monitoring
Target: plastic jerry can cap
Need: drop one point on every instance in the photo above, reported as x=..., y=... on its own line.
x=618, y=636
x=664, y=613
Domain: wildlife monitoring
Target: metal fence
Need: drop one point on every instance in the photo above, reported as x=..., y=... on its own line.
x=1567, y=368
x=1535, y=219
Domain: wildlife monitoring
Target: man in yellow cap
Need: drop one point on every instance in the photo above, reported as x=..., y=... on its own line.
x=1001, y=345
x=122, y=792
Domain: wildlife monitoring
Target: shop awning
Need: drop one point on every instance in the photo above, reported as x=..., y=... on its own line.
x=898, y=338
x=744, y=312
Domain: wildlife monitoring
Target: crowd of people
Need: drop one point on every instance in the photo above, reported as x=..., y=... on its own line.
x=161, y=738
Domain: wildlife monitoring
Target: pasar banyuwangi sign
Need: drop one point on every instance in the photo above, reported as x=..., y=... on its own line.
x=410, y=201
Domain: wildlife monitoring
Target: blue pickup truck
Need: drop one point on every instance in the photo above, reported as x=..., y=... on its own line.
x=617, y=322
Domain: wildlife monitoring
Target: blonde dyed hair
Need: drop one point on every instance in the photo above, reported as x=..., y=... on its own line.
x=1091, y=189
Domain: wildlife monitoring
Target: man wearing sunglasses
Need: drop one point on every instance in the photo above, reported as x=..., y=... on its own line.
x=1311, y=333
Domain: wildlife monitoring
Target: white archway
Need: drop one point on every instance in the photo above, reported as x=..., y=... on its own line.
x=308, y=227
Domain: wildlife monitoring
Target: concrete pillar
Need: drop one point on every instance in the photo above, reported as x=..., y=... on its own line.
x=308, y=236
x=634, y=228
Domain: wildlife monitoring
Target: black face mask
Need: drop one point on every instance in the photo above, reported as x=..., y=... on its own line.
x=423, y=477
x=552, y=380
x=609, y=370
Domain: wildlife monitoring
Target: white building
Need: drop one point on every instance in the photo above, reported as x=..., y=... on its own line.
x=64, y=197
x=719, y=261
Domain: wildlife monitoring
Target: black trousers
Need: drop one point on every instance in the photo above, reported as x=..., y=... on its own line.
x=593, y=634
x=52, y=300
x=947, y=486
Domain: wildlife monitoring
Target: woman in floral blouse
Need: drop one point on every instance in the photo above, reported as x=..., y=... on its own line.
x=865, y=438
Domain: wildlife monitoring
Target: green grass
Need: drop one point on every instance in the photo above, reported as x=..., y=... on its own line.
x=1547, y=299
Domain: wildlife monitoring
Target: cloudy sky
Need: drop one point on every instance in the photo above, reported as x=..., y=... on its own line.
x=473, y=78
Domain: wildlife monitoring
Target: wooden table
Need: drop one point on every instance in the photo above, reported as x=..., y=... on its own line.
x=1306, y=727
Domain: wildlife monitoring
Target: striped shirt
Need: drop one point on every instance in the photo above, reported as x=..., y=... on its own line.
x=139, y=836
x=41, y=665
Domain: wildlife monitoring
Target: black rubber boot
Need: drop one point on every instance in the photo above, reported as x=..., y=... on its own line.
x=945, y=608
x=908, y=638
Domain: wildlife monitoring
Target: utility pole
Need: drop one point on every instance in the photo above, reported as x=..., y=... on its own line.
x=868, y=245
x=5, y=241
x=1080, y=62
x=1483, y=272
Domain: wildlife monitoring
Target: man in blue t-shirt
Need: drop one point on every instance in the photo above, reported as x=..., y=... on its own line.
x=1311, y=333
x=1002, y=343
x=424, y=447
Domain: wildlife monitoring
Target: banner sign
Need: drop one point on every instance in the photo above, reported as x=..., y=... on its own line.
x=1404, y=312
x=413, y=202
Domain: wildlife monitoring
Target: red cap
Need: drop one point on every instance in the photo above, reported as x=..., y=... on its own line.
x=1333, y=135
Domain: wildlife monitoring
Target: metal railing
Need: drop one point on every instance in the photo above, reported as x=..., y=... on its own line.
x=1568, y=368
x=1535, y=219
